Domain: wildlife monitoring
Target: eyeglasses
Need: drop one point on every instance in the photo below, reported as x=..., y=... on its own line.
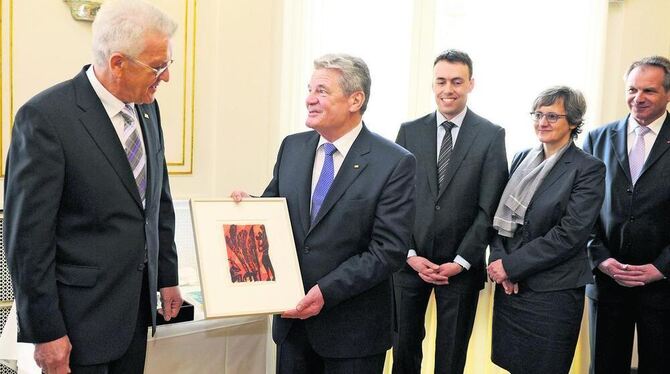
x=551, y=116
x=157, y=71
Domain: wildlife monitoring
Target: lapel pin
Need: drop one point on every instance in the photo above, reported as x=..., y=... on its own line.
x=146, y=116
x=356, y=166
x=667, y=141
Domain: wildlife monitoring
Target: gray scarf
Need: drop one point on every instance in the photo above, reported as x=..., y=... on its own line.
x=521, y=187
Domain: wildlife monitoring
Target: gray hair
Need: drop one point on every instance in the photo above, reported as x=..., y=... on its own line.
x=573, y=102
x=658, y=61
x=122, y=26
x=355, y=73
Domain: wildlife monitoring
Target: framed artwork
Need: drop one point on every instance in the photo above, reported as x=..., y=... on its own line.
x=246, y=256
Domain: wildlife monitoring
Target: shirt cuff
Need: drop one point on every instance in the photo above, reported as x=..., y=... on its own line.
x=461, y=261
x=411, y=253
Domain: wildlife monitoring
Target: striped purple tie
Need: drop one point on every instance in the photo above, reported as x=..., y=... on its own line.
x=325, y=179
x=132, y=145
x=636, y=156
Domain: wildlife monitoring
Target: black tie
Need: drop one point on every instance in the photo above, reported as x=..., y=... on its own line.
x=445, y=153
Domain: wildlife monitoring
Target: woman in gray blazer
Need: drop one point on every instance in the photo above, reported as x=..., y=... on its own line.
x=539, y=259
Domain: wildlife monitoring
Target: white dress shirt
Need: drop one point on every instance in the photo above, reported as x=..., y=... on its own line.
x=649, y=138
x=113, y=107
x=343, y=145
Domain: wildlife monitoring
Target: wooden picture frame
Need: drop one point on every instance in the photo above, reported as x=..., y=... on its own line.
x=246, y=256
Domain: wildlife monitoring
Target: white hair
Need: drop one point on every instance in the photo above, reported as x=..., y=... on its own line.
x=122, y=25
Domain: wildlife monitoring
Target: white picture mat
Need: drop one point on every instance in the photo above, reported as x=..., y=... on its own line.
x=222, y=297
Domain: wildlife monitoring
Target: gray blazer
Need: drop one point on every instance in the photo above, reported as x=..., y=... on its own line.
x=75, y=230
x=359, y=238
x=557, y=225
x=633, y=222
x=455, y=220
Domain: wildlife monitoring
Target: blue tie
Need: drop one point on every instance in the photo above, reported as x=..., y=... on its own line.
x=325, y=179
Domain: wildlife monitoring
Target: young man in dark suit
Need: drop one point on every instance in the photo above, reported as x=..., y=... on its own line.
x=350, y=196
x=462, y=170
x=630, y=246
x=89, y=222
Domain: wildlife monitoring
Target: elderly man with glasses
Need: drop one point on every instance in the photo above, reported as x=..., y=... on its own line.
x=89, y=222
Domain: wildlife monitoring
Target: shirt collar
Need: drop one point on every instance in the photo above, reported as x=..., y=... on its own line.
x=457, y=120
x=111, y=104
x=344, y=143
x=655, y=126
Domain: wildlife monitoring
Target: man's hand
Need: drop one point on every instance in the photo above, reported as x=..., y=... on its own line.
x=638, y=275
x=170, y=302
x=54, y=357
x=309, y=306
x=428, y=271
x=510, y=288
x=238, y=195
x=496, y=271
x=449, y=269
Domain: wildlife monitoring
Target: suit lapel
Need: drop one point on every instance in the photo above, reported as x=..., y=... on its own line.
x=620, y=146
x=149, y=126
x=304, y=165
x=351, y=168
x=466, y=136
x=427, y=150
x=557, y=171
x=661, y=145
x=100, y=128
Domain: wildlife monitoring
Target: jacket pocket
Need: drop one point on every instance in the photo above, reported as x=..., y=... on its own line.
x=77, y=276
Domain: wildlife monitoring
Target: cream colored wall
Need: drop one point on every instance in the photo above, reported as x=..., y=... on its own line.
x=236, y=67
x=636, y=28
x=237, y=98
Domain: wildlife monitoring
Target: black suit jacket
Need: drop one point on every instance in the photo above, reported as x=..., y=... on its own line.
x=359, y=238
x=557, y=225
x=455, y=220
x=75, y=230
x=634, y=220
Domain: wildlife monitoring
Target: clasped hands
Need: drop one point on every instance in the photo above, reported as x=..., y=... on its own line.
x=630, y=275
x=498, y=274
x=433, y=273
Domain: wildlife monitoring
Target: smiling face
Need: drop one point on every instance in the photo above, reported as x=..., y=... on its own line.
x=330, y=111
x=137, y=82
x=645, y=95
x=451, y=86
x=553, y=135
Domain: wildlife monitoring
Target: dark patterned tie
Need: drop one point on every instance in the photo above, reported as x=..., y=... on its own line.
x=445, y=153
x=325, y=179
x=132, y=145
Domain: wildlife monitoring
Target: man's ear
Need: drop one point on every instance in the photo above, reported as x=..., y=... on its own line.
x=356, y=101
x=117, y=63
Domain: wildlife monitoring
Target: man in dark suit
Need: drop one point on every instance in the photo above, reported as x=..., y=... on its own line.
x=462, y=170
x=630, y=246
x=89, y=222
x=350, y=195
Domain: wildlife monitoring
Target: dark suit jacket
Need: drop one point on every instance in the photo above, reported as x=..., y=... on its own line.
x=455, y=220
x=359, y=238
x=557, y=225
x=75, y=230
x=633, y=223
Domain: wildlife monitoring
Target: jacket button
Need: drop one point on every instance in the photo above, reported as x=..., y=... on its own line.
x=629, y=190
x=437, y=207
x=140, y=267
x=632, y=218
x=306, y=249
